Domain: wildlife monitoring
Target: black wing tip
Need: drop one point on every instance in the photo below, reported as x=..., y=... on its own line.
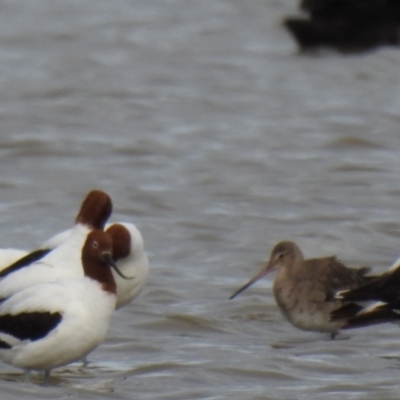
x=29, y=326
x=4, y=345
x=345, y=312
x=25, y=261
x=381, y=314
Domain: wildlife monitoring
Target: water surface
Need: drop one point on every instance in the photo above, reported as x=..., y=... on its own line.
x=214, y=136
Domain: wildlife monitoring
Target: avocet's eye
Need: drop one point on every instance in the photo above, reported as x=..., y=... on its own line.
x=95, y=245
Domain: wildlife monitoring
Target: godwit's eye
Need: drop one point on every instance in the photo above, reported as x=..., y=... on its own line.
x=95, y=245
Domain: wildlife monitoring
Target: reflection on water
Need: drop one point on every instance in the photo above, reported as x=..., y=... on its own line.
x=218, y=140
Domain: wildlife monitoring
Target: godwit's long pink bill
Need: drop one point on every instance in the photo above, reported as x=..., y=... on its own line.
x=257, y=277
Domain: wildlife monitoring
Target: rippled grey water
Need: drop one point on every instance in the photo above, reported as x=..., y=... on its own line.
x=217, y=139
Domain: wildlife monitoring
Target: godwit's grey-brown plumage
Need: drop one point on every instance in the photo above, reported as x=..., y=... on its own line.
x=305, y=289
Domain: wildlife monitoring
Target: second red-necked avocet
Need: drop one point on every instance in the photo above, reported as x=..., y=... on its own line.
x=52, y=324
x=131, y=259
x=128, y=252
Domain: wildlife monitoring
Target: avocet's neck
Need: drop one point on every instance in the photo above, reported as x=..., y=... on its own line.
x=95, y=210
